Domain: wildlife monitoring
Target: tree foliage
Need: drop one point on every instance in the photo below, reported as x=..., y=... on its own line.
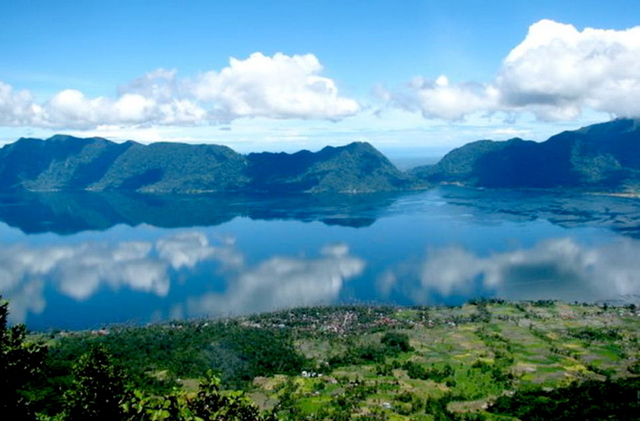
x=97, y=390
x=396, y=340
x=209, y=404
x=591, y=400
x=19, y=363
x=134, y=373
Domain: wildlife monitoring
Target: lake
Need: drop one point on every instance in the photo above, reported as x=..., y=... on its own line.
x=87, y=260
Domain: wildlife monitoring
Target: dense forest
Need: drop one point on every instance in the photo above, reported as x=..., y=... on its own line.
x=67, y=163
x=486, y=360
x=601, y=157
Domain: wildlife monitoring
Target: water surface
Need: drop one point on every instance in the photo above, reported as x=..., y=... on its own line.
x=77, y=261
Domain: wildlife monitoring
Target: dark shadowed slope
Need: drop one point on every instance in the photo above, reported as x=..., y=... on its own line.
x=604, y=156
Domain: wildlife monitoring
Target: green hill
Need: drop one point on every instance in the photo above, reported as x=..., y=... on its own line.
x=602, y=157
x=66, y=163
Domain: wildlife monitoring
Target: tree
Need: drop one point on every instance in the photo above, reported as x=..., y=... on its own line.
x=396, y=341
x=97, y=390
x=20, y=360
x=211, y=404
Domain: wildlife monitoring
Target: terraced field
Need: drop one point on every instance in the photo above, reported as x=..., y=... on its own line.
x=469, y=355
x=486, y=360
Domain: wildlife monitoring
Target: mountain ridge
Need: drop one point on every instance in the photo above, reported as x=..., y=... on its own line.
x=600, y=157
x=67, y=163
x=603, y=157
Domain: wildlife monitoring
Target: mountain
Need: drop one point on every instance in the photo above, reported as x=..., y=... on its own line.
x=603, y=156
x=355, y=168
x=174, y=167
x=59, y=163
x=66, y=163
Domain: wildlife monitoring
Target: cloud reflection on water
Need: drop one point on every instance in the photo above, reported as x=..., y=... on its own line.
x=80, y=271
x=197, y=275
x=553, y=269
x=282, y=282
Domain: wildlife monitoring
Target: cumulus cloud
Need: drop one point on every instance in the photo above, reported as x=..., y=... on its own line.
x=161, y=84
x=143, y=107
x=444, y=100
x=279, y=87
x=87, y=267
x=18, y=108
x=556, y=72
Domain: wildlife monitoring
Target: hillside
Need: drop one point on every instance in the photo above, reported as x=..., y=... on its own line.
x=66, y=163
x=601, y=157
x=355, y=168
x=486, y=360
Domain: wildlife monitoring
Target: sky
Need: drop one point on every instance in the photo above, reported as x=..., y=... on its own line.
x=411, y=77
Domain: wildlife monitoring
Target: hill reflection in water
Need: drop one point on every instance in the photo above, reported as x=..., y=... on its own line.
x=70, y=213
x=86, y=260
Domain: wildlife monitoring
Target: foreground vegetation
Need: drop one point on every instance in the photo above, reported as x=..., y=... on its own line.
x=486, y=360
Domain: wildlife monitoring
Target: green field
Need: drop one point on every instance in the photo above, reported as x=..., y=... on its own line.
x=485, y=360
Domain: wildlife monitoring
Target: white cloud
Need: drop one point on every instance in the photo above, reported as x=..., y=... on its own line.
x=450, y=270
x=557, y=72
x=133, y=108
x=160, y=84
x=511, y=132
x=441, y=99
x=70, y=108
x=278, y=87
x=18, y=108
x=27, y=299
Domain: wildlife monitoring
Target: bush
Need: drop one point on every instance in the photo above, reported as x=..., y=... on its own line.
x=396, y=341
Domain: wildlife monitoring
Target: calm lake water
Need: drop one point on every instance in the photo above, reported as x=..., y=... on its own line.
x=77, y=261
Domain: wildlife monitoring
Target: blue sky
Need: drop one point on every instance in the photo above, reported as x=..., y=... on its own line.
x=415, y=76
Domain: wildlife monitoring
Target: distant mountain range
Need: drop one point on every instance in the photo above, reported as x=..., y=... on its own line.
x=66, y=163
x=602, y=157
